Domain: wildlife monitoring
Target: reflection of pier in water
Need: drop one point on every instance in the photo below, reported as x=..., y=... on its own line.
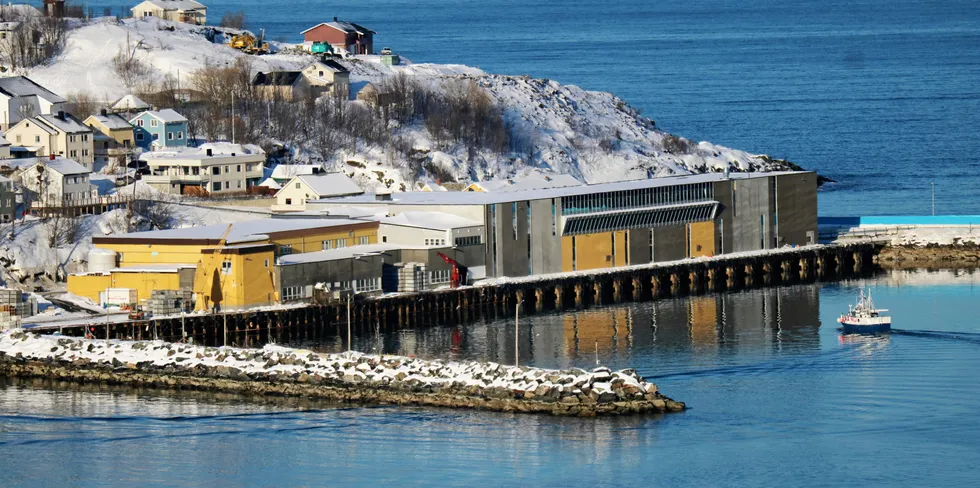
x=769, y=317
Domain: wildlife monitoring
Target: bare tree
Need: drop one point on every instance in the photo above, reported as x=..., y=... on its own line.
x=84, y=104
x=130, y=69
x=234, y=20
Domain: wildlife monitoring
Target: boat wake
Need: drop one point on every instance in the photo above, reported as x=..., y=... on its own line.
x=941, y=335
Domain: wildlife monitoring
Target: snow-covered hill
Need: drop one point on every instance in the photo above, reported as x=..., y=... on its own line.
x=595, y=136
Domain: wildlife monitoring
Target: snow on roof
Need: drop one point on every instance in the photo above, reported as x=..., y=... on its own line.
x=429, y=220
x=288, y=171
x=270, y=183
x=167, y=115
x=343, y=26
x=335, y=184
x=66, y=123
x=201, y=152
x=64, y=166
x=22, y=86
x=112, y=121
x=336, y=254
x=130, y=102
x=330, y=65
x=154, y=268
x=182, y=5
x=530, y=182
x=247, y=231
x=4, y=141
x=486, y=198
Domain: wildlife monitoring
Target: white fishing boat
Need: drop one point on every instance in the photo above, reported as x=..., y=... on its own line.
x=864, y=318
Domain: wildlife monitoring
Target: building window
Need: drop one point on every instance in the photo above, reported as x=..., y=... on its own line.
x=84, y=152
x=285, y=249
x=366, y=285
x=341, y=243
x=327, y=245
x=215, y=170
x=215, y=186
x=227, y=185
x=239, y=183
x=156, y=137
x=437, y=277
x=139, y=123
x=384, y=238
x=139, y=136
x=180, y=134
x=153, y=123
x=289, y=201
x=227, y=169
x=362, y=240
x=266, y=263
x=37, y=138
x=170, y=136
x=292, y=293
x=238, y=168
x=226, y=267
x=18, y=138
x=467, y=241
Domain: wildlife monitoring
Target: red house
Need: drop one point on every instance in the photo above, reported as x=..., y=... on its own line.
x=355, y=39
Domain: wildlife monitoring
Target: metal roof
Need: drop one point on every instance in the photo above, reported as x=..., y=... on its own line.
x=336, y=254
x=248, y=231
x=336, y=184
x=487, y=198
x=22, y=86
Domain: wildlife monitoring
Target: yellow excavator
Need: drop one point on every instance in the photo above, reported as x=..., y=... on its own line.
x=249, y=44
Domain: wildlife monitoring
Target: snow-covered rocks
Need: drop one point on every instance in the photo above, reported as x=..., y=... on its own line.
x=350, y=376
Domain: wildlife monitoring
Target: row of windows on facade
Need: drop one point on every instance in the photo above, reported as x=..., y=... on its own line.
x=646, y=197
x=156, y=137
x=215, y=170
x=226, y=266
x=153, y=123
x=358, y=286
x=216, y=186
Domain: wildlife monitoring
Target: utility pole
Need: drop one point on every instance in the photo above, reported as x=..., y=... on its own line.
x=348, y=320
x=517, y=334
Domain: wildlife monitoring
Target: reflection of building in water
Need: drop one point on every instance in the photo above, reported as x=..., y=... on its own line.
x=784, y=314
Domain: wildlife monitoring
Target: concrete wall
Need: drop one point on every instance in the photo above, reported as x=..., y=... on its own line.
x=335, y=271
x=723, y=220
x=513, y=245
x=639, y=246
x=545, y=237
x=796, y=209
x=751, y=204
x=669, y=243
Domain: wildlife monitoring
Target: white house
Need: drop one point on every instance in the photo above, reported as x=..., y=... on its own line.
x=283, y=173
x=218, y=167
x=20, y=98
x=186, y=11
x=60, y=134
x=301, y=189
x=56, y=180
x=130, y=104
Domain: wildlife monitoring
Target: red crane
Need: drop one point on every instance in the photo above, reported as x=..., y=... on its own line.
x=459, y=271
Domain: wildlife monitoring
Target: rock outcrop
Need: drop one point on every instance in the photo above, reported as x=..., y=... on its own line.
x=346, y=377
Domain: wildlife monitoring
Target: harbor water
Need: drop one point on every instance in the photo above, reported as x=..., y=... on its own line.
x=778, y=397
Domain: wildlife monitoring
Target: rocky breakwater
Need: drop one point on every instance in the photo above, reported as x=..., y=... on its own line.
x=345, y=377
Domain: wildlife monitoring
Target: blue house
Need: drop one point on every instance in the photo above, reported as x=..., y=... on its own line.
x=160, y=129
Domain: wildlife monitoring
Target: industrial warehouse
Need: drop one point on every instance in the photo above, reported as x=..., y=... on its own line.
x=411, y=241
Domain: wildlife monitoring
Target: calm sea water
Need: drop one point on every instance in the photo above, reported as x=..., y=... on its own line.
x=778, y=398
x=880, y=95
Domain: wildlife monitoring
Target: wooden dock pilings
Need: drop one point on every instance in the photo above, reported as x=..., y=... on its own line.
x=564, y=291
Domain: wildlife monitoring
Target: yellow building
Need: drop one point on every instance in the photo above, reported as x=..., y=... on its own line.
x=226, y=266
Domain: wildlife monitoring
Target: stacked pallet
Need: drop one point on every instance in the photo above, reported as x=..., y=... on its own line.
x=170, y=302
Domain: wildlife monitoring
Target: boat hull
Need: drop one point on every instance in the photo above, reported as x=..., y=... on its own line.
x=866, y=328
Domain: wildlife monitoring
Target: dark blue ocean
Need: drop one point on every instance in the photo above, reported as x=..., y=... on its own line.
x=882, y=96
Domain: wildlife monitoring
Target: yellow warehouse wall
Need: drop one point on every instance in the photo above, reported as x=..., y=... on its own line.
x=88, y=286
x=142, y=254
x=249, y=283
x=314, y=242
x=145, y=283
x=566, y=253
x=702, y=234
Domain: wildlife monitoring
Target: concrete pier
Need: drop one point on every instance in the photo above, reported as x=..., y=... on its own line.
x=464, y=305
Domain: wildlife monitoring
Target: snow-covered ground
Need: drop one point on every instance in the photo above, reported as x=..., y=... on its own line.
x=914, y=235
x=594, y=136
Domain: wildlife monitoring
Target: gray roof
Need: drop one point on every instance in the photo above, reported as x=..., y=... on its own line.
x=248, y=231
x=336, y=254
x=530, y=182
x=332, y=184
x=22, y=86
x=65, y=166
x=429, y=220
x=113, y=121
x=487, y=198
x=68, y=124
